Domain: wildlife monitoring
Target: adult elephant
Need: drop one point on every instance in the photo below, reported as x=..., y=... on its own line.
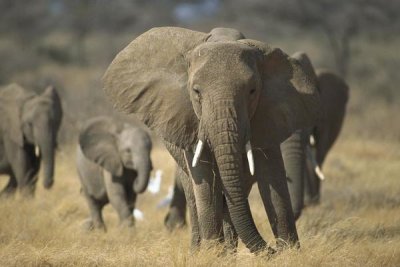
x=305, y=161
x=29, y=124
x=226, y=96
x=114, y=165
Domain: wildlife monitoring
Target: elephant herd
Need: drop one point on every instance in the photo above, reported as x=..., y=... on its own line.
x=231, y=111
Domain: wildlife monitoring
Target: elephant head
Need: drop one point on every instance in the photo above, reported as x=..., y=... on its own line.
x=116, y=146
x=189, y=86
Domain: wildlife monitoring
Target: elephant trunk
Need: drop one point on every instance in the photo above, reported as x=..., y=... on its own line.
x=226, y=142
x=142, y=180
x=47, y=148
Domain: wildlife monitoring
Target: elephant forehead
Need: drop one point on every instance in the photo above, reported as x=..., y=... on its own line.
x=223, y=60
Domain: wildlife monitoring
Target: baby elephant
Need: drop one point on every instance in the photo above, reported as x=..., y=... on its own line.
x=114, y=165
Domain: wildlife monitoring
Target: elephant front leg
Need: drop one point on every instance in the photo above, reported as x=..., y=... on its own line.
x=274, y=192
x=175, y=218
x=209, y=199
x=24, y=165
x=11, y=187
x=96, y=218
x=118, y=198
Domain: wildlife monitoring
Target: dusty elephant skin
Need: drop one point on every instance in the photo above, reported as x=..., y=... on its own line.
x=226, y=96
x=114, y=165
x=299, y=156
x=29, y=124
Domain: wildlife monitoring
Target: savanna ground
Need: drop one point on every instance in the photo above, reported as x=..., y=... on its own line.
x=356, y=224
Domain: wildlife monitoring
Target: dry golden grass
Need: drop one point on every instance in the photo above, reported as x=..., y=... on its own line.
x=357, y=223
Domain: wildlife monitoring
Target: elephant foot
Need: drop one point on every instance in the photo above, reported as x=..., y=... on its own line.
x=127, y=223
x=7, y=193
x=311, y=200
x=174, y=220
x=88, y=226
x=268, y=253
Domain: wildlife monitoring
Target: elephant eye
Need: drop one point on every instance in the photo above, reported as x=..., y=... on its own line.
x=196, y=89
x=252, y=91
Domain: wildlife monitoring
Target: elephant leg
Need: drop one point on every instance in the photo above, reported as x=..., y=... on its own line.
x=24, y=165
x=271, y=180
x=11, y=187
x=208, y=196
x=118, y=198
x=176, y=217
x=293, y=152
x=179, y=155
x=96, y=218
x=230, y=234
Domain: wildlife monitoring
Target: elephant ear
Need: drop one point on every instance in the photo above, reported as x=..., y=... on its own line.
x=149, y=78
x=305, y=61
x=98, y=143
x=12, y=100
x=288, y=100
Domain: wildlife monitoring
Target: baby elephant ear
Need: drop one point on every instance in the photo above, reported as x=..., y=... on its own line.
x=99, y=145
x=149, y=78
x=289, y=99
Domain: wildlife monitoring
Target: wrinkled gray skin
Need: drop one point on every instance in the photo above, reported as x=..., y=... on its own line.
x=188, y=85
x=114, y=165
x=27, y=121
x=299, y=156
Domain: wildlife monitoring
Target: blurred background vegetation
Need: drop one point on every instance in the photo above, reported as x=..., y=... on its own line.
x=69, y=43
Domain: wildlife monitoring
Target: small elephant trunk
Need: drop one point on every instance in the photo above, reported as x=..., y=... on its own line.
x=47, y=149
x=143, y=176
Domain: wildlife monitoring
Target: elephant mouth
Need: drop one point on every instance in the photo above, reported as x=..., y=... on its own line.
x=249, y=154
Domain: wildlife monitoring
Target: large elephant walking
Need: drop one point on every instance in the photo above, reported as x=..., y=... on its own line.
x=303, y=159
x=226, y=96
x=29, y=124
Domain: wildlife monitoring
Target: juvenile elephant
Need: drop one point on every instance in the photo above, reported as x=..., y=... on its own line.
x=29, y=124
x=114, y=165
x=227, y=96
x=304, y=158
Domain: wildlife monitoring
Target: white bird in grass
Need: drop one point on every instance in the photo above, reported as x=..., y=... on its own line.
x=155, y=183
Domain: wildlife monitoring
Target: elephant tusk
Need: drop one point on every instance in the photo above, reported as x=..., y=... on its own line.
x=197, y=153
x=312, y=140
x=319, y=173
x=37, y=151
x=250, y=157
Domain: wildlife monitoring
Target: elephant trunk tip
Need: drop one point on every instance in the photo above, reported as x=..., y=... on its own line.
x=48, y=183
